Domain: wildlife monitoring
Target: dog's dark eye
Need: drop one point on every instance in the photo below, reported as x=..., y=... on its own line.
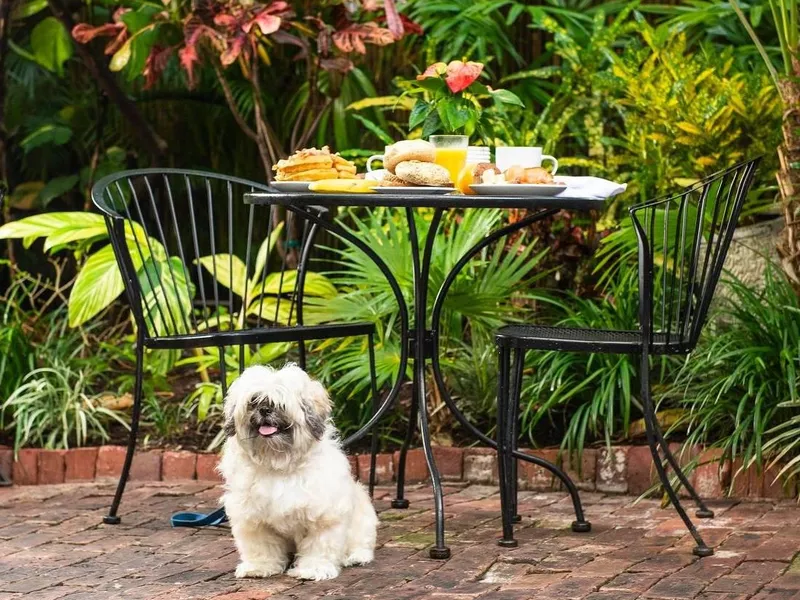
x=255, y=400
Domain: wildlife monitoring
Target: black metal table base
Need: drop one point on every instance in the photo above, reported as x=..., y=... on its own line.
x=419, y=342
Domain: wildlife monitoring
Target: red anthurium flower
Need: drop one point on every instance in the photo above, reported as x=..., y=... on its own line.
x=461, y=75
x=435, y=70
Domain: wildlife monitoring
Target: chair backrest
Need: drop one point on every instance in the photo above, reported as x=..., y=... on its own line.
x=195, y=259
x=683, y=241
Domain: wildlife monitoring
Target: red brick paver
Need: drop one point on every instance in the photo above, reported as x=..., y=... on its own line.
x=53, y=547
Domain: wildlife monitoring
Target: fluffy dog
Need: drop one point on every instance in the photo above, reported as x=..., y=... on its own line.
x=288, y=487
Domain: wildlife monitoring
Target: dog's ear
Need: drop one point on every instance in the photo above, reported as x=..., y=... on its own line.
x=317, y=408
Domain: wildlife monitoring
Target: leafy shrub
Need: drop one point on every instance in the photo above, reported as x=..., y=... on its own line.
x=739, y=388
x=587, y=396
x=486, y=294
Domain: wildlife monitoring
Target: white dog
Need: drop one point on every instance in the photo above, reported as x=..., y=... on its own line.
x=288, y=486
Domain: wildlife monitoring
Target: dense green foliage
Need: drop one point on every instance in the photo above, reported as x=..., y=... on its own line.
x=652, y=95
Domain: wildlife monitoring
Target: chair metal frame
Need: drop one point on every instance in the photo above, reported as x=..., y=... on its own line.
x=180, y=334
x=674, y=300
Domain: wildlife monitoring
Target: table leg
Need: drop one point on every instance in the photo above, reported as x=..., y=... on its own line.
x=421, y=354
x=399, y=500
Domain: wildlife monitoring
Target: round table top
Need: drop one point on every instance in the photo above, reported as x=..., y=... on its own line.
x=450, y=201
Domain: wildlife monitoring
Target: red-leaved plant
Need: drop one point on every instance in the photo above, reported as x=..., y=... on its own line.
x=233, y=32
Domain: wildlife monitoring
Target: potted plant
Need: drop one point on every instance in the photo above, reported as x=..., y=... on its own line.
x=450, y=100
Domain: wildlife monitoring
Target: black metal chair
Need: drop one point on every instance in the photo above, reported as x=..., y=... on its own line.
x=682, y=243
x=166, y=226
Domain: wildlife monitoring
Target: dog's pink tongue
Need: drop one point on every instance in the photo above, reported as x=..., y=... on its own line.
x=267, y=430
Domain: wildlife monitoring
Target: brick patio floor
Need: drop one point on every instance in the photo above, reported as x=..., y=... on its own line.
x=52, y=546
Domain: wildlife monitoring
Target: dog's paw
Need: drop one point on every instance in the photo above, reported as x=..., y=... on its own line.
x=317, y=570
x=359, y=557
x=248, y=569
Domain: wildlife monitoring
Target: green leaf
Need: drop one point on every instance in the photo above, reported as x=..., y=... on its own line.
x=167, y=295
x=452, y=115
x=46, y=134
x=315, y=285
x=51, y=44
x=228, y=270
x=379, y=133
x=432, y=84
x=263, y=254
x=72, y=234
x=138, y=19
x=432, y=124
x=506, y=97
x=418, y=114
x=25, y=195
x=121, y=57
x=48, y=223
x=29, y=8
x=141, y=44
x=98, y=284
x=58, y=186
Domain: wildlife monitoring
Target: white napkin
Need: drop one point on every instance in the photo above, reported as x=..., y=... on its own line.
x=589, y=187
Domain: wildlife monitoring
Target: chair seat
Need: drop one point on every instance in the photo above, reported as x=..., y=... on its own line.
x=265, y=335
x=575, y=339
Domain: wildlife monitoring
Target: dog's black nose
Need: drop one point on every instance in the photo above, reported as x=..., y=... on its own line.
x=264, y=411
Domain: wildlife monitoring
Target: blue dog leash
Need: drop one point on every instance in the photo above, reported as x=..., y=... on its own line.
x=193, y=519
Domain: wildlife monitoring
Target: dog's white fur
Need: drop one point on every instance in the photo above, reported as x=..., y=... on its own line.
x=297, y=497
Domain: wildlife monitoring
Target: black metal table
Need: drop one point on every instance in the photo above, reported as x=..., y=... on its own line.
x=419, y=341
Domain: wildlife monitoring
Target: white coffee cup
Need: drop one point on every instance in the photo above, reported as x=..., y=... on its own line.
x=521, y=156
x=375, y=157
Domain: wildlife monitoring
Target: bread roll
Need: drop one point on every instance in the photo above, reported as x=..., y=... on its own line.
x=423, y=173
x=406, y=150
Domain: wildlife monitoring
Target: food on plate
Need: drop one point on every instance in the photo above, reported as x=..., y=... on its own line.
x=390, y=180
x=537, y=175
x=408, y=150
x=474, y=173
x=349, y=186
x=514, y=174
x=311, y=164
x=345, y=168
x=417, y=172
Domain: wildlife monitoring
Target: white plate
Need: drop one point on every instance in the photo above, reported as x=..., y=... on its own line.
x=518, y=189
x=413, y=191
x=291, y=186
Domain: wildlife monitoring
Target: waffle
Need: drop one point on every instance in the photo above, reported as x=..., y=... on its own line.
x=308, y=175
x=311, y=164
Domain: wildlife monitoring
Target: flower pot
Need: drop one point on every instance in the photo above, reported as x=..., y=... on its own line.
x=752, y=247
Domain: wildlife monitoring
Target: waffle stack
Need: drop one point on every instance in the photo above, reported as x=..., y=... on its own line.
x=311, y=164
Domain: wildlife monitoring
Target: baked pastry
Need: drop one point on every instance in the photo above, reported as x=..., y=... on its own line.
x=311, y=164
x=408, y=150
x=531, y=175
x=345, y=168
x=537, y=175
x=423, y=173
x=309, y=175
x=390, y=180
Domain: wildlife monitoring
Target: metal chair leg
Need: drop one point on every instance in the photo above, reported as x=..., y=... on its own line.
x=703, y=512
x=111, y=518
x=399, y=501
x=503, y=454
x=375, y=404
x=580, y=525
x=701, y=549
x=513, y=407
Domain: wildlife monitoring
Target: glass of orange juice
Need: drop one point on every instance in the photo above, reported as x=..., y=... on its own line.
x=451, y=152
